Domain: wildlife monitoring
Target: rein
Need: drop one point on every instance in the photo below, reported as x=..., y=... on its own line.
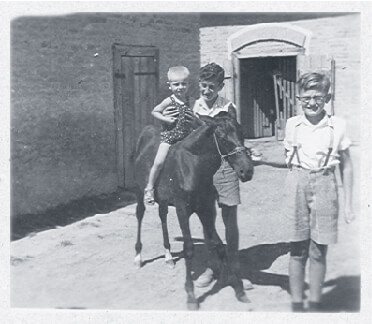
x=233, y=152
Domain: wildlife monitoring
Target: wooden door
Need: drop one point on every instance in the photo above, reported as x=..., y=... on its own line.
x=135, y=93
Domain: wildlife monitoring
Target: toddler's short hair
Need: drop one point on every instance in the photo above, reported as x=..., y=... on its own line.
x=212, y=72
x=178, y=72
x=314, y=81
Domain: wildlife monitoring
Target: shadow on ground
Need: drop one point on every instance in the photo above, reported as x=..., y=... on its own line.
x=261, y=257
x=344, y=296
x=63, y=215
x=252, y=261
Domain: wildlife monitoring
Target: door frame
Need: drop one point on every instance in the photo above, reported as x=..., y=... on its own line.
x=238, y=45
x=119, y=50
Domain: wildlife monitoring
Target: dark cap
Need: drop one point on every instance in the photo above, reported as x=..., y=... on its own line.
x=212, y=72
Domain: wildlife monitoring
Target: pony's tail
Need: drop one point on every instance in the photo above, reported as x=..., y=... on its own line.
x=137, y=149
x=147, y=133
x=133, y=154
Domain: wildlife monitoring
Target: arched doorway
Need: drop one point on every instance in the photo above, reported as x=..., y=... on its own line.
x=265, y=61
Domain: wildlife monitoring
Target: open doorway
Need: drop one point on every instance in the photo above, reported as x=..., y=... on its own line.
x=260, y=108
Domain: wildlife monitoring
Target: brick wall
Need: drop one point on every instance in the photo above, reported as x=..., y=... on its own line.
x=62, y=115
x=337, y=36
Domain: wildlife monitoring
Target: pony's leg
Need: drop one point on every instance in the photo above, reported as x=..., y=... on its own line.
x=140, y=210
x=229, y=216
x=163, y=213
x=188, y=248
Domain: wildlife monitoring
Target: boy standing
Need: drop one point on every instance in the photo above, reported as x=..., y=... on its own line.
x=225, y=180
x=315, y=143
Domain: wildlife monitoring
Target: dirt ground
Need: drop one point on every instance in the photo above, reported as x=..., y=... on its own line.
x=88, y=264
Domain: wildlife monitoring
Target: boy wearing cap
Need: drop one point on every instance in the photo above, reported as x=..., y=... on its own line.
x=315, y=143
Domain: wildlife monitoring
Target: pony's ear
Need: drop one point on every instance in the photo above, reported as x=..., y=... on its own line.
x=193, y=142
x=232, y=111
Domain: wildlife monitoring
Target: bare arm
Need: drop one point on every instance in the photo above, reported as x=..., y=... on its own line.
x=157, y=112
x=346, y=169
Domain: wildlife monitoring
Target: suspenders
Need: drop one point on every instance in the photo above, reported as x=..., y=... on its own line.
x=295, y=148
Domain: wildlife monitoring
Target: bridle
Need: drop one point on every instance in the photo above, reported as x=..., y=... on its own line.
x=233, y=152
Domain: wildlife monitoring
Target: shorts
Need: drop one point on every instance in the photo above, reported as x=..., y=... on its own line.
x=173, y=136
x=311, y=205
x=226, y=182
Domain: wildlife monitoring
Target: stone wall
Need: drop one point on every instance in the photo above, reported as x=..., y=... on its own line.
x=62, y=115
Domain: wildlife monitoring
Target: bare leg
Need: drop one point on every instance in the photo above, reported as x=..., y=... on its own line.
x=296, y=278
x=230, y=219
x=215, y=248
x=297, y=264
x=318, y=267
x=158, y=164
x=140, y=210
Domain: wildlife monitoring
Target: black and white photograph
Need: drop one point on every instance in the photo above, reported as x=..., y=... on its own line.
x=186, y=161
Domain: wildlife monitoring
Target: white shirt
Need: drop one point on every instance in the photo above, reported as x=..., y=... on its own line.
x=221, y=104
x=313, y=141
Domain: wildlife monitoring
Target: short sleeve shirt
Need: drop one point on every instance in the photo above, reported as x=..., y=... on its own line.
x=221, y=104
x=313, y=141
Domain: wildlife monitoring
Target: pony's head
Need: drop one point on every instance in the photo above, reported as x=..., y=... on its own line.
x=230, y=143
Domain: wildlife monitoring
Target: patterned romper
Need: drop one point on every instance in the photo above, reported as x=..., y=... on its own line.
x=180, y=129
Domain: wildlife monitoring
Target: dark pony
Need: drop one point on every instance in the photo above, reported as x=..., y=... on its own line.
x=186, y=182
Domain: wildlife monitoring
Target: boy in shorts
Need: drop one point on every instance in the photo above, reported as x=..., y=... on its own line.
x=225, y=180
x=315, y=143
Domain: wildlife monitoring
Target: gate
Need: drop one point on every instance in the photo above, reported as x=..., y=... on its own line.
x=285, y=87
x=135, y=95
x=264, y=90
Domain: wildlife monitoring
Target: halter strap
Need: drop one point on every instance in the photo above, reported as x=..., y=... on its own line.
x=233, y=152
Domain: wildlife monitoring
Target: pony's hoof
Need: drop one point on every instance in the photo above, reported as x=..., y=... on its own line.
x=242, y=297
x=170, y=263
x=193, y=306
x=137, y=262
